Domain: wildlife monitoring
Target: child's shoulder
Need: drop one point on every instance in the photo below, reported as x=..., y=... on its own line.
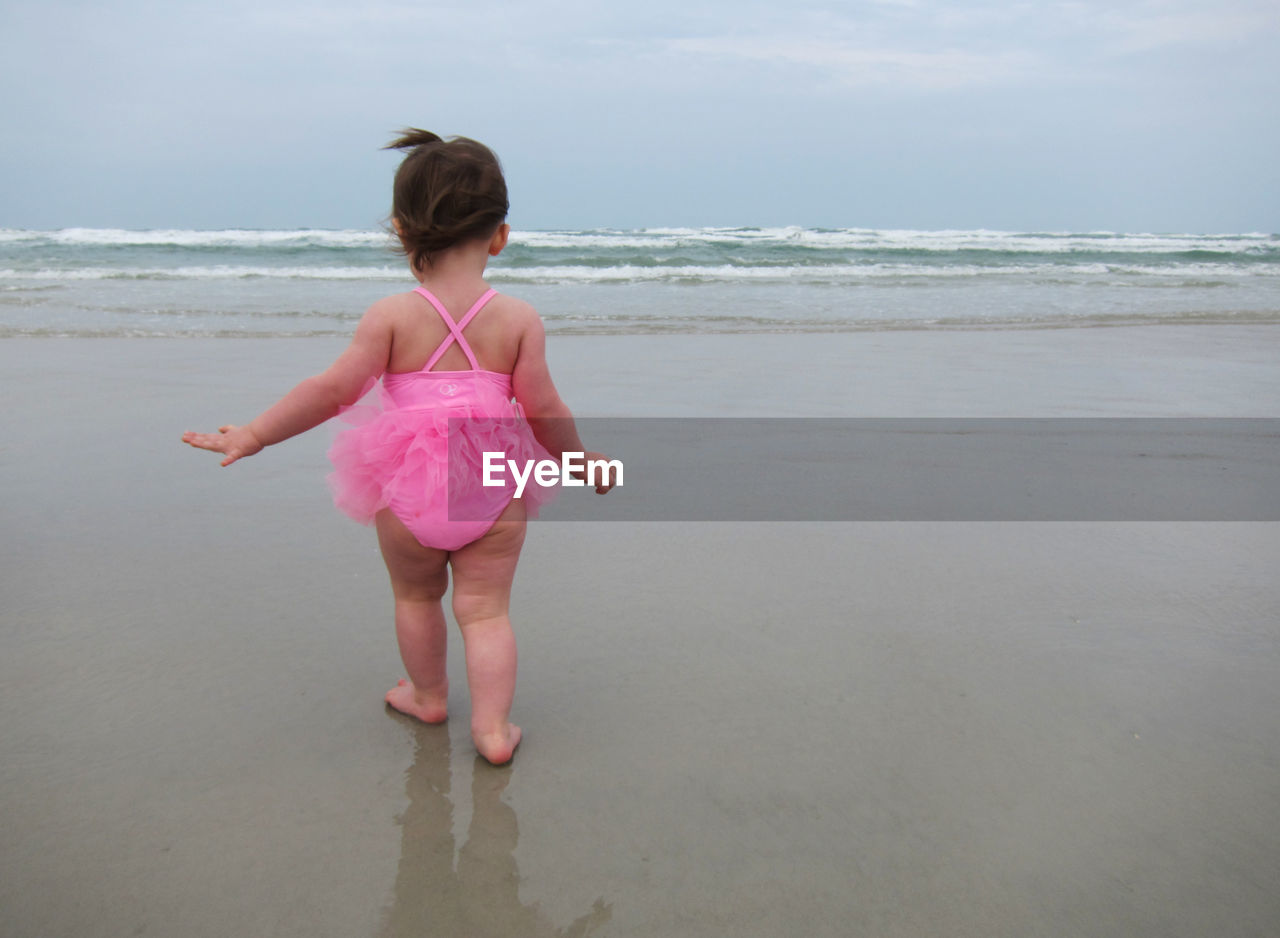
x=513, y=313
x=394, y=313
x=514, y=306
x=397, y=304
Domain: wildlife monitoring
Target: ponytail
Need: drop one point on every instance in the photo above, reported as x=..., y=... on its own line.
x=412, y=137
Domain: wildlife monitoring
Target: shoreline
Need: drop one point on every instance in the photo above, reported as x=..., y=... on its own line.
x=555, y=331
x=1169, y=371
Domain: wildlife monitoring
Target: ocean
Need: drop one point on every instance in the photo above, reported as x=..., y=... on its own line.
x=246, y=283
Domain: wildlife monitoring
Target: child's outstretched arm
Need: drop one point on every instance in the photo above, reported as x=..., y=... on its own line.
x=313, y=401
x=549, y=417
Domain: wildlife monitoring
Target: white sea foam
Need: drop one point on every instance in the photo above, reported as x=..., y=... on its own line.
x=633, y=273
x=214, y=272
x=230, y=237
x=857, y=239
x=947, y=241
x=853, y=273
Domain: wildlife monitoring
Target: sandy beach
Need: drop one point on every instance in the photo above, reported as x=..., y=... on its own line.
x=747, y=729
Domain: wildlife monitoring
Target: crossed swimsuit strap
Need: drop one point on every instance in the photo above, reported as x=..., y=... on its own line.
x=455, y=328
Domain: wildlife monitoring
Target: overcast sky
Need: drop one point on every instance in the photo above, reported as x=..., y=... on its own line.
x=1119, y=115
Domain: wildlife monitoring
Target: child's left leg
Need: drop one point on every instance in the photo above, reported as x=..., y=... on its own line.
x=419, y=578
x=482, y=575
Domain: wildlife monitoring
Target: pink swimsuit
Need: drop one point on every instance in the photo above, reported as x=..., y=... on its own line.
x=420, y=451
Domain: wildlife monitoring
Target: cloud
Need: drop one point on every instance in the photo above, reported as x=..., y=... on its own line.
x=851, y=64
x=933, y=46
x=1147, y=28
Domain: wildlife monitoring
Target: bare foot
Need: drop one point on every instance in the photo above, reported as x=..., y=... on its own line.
x=427, y=707
x=498, y=747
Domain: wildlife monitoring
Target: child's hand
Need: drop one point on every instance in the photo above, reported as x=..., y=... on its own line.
x=232, y=441
x=611, y=475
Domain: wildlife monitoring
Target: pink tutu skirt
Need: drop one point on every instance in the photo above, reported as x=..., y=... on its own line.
x=426, y=463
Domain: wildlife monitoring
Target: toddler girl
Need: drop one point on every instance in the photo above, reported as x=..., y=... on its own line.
x=452, y=354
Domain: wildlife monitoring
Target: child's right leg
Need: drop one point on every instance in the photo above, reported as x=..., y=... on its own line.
x=419, y=578
x=482, y=575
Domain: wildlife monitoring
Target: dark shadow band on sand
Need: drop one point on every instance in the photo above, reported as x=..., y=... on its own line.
x=925, y=469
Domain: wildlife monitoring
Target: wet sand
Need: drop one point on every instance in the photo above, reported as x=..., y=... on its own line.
x=731, y=729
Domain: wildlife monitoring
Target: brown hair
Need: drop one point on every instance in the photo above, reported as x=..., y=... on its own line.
x=446, y=192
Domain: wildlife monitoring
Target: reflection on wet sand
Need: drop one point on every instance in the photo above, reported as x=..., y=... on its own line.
x=480, y=896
